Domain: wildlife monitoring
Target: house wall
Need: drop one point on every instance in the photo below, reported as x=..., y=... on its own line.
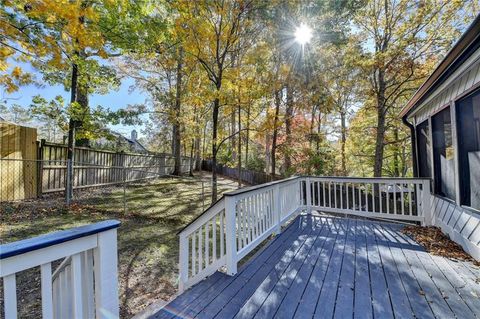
x=461, y=224
x=463, y=80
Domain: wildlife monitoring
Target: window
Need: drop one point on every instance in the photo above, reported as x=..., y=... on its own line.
x=424, y=150
x=443, y=155
x=468, y=131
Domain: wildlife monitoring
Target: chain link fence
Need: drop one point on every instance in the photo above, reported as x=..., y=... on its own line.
x=151, y=205
x=133, y=190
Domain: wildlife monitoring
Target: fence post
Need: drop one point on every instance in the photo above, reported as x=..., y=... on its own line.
x=183, y=261
x=231, y=241
x=124, y=190
x=277, y=209
x=308, y=190
x=40, y=168
x=106, y=277
x=429, y=218
x=69, y=186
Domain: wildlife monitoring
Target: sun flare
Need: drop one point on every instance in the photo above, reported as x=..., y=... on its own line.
x=303, y=34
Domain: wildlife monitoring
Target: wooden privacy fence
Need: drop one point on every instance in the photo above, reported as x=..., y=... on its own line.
x=100, y=167
x=18, y=168
x=247, y=176
x=29, y=169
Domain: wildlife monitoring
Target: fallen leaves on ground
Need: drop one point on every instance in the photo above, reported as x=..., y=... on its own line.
x=437, y=243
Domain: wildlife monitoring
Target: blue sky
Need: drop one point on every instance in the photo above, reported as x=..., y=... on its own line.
x=114, y=100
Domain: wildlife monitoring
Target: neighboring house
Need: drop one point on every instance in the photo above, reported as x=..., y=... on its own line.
x=444, y=116
x=121, y=143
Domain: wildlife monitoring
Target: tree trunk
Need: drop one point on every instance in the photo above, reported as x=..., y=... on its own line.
x=215, y=111
x=72, y=124
x=343, y=141
x=176, y=121
x=288, y=131
x=380, y=136
x=190, y=172
x=82, y=99
x=275, y=133
x=312, y=125
x=239, y=147
x=247, y=135
x=233, y=148
x=319, y=130
x=396, y=154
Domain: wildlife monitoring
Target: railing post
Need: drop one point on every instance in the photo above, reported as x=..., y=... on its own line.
x=106, y=279
x=231, y=241
x=183, y=263
x=309, y=195
x=426, y=207
x=277, y=209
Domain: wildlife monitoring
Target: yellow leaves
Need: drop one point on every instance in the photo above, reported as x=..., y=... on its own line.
x=17, y=72
x=11, y=80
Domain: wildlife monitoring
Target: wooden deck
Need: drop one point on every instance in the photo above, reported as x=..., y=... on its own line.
x=327, y=267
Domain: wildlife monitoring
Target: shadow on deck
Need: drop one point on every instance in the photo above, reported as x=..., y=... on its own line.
x=326, y=267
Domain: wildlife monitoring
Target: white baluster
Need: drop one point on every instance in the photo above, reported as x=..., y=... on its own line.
x=222, y=234
x=194, y=254
x=200, y=249
x=276, y=209
x=46, y=284
x=106, y=279
x=10, y=296
x=214, y=238
x=207, y=245
x=395, y=198
x=77, y=286
x=402, y=200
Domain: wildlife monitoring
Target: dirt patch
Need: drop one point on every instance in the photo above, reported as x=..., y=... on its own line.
x=437, y=243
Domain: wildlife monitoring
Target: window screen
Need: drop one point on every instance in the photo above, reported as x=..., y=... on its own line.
x=444, y=165
x=424, y=147
x=468, y=130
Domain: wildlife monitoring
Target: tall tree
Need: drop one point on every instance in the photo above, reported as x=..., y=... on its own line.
x=405, y=37
x=213, y=31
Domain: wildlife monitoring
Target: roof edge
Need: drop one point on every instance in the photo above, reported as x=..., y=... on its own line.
x=467, y=38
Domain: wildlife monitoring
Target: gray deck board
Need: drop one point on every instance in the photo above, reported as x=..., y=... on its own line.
x=330, y=267
x=362, y=293
x=382, y=307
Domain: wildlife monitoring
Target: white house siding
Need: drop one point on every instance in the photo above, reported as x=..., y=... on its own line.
x=463, y=79
x=460, y=224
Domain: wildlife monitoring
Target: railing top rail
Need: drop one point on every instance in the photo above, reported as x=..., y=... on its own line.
x=257, y=187
x=234, y=193
x=43, y=241
x=206, y=211
x=383, y=178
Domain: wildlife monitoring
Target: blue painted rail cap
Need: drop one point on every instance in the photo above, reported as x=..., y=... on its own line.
x=50, y=239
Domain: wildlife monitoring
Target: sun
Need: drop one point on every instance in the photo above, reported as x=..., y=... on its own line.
x=303, y=34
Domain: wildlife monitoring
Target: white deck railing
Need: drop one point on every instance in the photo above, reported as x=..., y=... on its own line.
x=231, y=228
x=84, y=285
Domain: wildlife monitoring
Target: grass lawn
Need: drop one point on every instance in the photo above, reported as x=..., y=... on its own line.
x=147, y=238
